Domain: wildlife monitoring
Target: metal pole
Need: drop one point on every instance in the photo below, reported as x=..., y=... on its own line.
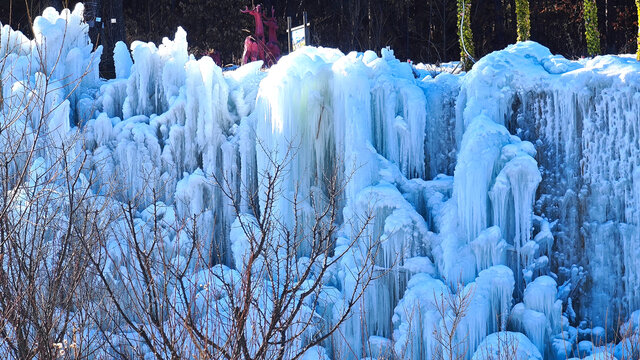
x=306, y=29
x=289, y=31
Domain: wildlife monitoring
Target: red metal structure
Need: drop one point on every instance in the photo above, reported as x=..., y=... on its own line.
x=255, y=47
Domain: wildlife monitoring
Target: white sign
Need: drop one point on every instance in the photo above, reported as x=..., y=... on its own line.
x=298, y=38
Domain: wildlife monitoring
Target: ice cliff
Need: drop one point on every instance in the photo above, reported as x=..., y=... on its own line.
x=515, y=186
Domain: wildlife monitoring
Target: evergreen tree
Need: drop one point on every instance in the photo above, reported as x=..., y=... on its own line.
x=421, y=30
x=464, y=34
x=524, y=24
x=591, y=27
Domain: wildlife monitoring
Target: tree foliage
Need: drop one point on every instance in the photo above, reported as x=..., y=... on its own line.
x=424, y=31
x=591, y=27
x=523, y=20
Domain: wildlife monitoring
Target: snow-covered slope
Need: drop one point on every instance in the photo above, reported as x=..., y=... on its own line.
x=513, y=188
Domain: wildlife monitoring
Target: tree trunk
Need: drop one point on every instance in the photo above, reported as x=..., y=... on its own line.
x=499, y=23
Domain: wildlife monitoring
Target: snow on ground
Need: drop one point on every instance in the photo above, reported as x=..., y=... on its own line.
x=540, y=156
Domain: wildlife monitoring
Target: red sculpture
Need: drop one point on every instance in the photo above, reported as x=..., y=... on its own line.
x=255, y=47
x=252, y=44
x=273, y=47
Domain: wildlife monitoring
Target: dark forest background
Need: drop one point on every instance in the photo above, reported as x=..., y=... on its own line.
x=421, y=30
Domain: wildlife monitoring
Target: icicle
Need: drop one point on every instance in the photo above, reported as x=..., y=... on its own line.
x=479, y=152
x=540, y=295
x=122, y=60
x=489, y=249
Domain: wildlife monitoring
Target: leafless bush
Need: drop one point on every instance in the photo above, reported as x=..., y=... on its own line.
x=45, y=198
x=162, y=295
x=452, y=308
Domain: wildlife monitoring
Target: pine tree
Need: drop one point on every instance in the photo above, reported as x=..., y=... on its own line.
x=591, y=27
x=524, y=24
x=464, y=33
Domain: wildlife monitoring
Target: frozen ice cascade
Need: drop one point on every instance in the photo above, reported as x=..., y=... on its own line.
x=514, y=188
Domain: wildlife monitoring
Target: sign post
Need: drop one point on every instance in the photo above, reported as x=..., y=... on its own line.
x=299, y=35
x=289, y=32
x=306, y=28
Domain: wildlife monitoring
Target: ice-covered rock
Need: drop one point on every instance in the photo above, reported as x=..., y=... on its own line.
x=489, y=248
x=540, y=316
x=540, y=295
x=417, y=316
x=601, y=355
x=506, y=345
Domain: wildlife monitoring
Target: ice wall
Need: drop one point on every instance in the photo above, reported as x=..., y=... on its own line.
x=352, y=109
x=170, y=126
x=582, y=116
x=469, y=186
x=440, y=144
x=495, y=183
x=359, y=119
x=47, y=86
x=179, y=131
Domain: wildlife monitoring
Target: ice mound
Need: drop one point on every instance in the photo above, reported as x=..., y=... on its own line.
x=507, y=345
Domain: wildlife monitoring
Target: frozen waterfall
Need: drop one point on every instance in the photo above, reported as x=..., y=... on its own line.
x=513, y=189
